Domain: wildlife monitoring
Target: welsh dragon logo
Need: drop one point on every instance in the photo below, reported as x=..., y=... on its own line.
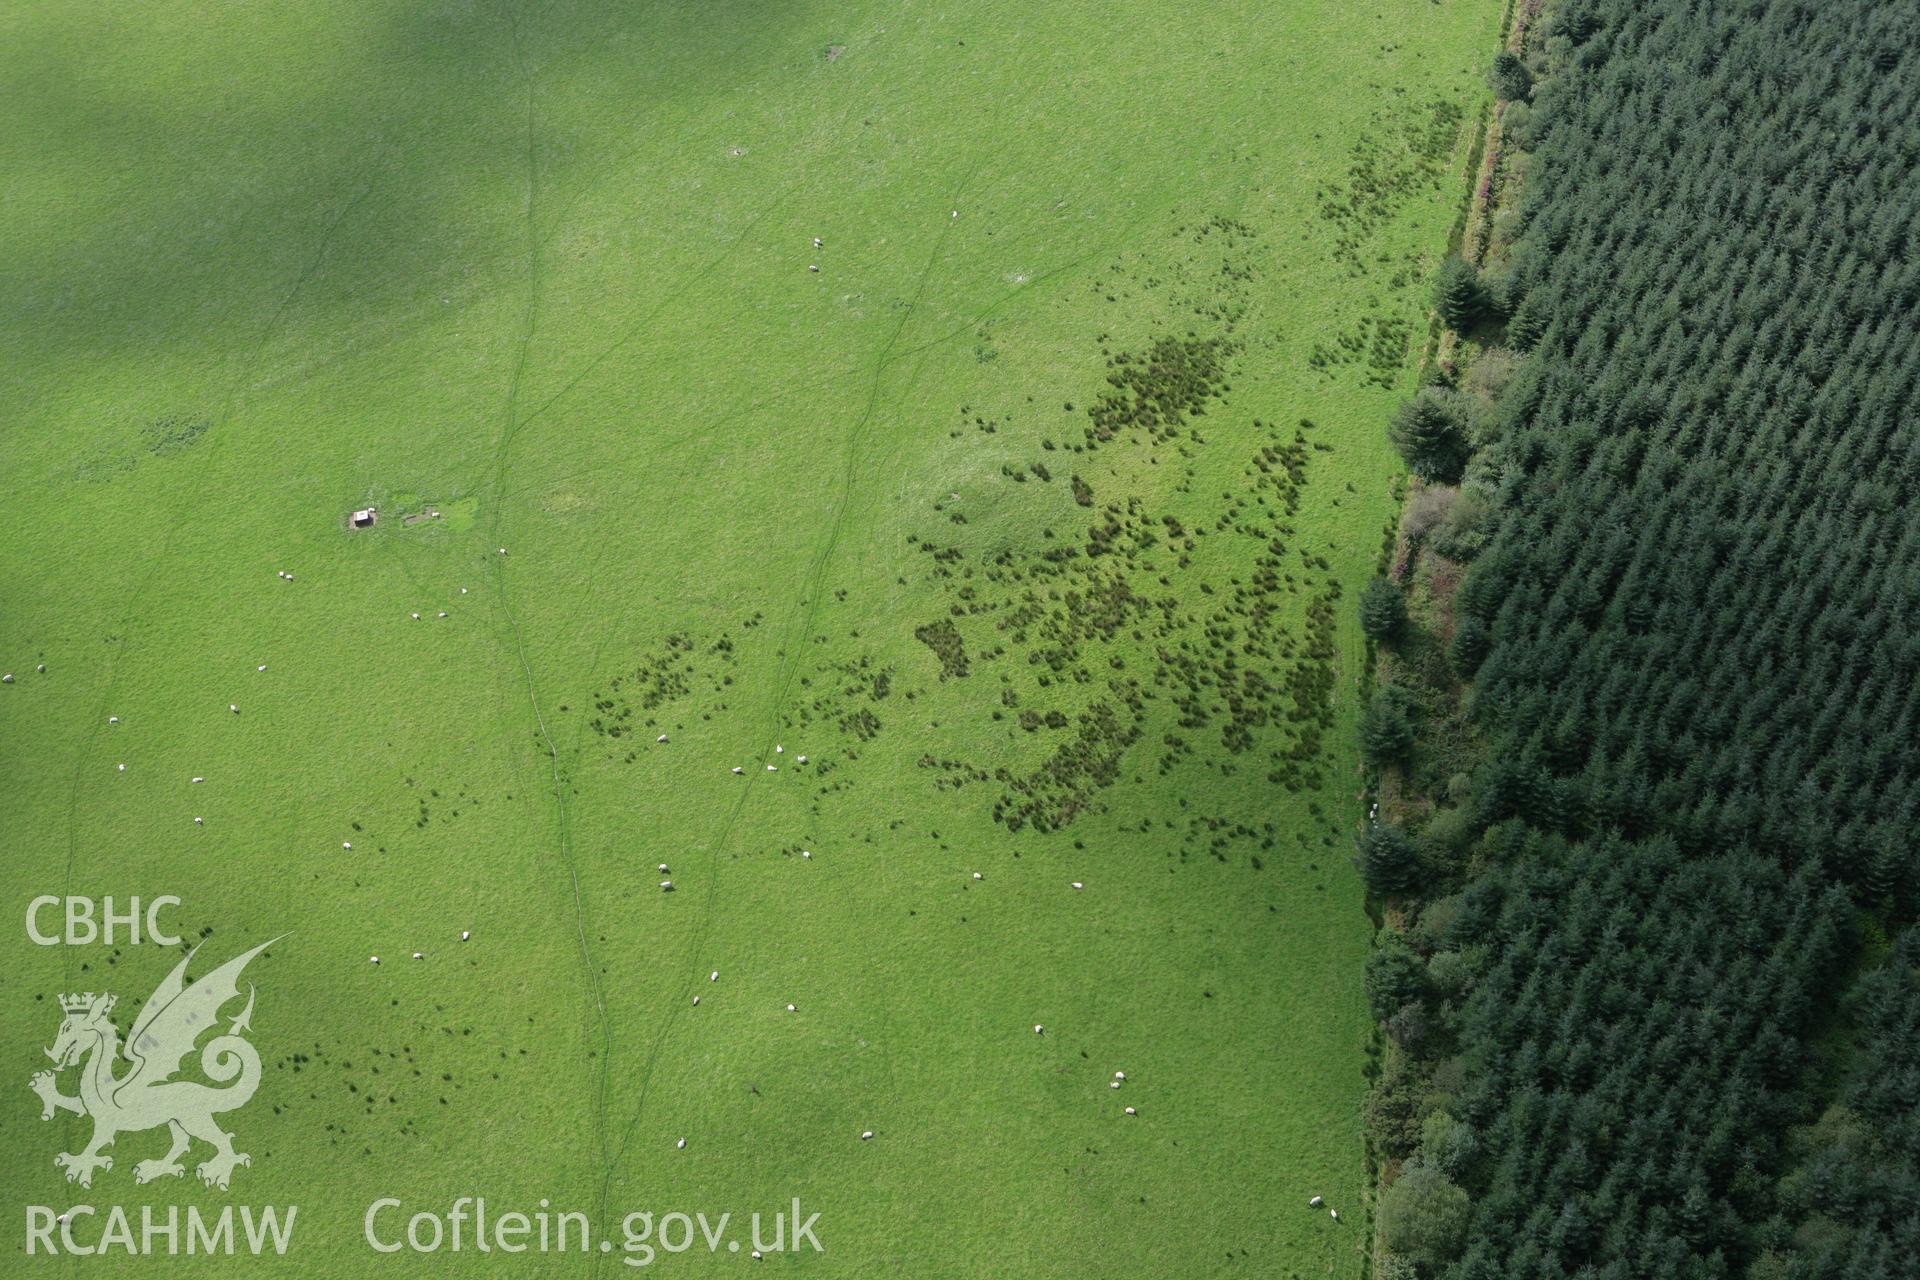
x=170, y=1025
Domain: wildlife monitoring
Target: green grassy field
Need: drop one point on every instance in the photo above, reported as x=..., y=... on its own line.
x=546, y=270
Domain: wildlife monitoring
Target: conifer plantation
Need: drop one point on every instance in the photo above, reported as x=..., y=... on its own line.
x=1648, y=989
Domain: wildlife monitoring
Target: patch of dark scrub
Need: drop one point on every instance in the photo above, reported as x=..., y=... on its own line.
x=944, y=639
x=1159, y=391
x=862, y=724
x=1053, y=795
x=660, y=679
x=173, y=433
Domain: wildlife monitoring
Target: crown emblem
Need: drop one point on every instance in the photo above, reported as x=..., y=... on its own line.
x=80, y=1002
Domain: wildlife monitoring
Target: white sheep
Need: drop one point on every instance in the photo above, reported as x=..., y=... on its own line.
x=1132, y=1112
x=666, y=886
x=714, y=976
x=465, y=934
x=803, y=759
x=232, y=708
x=1039, y=1030
x=866, y=1135
x=1078, y=885
x=663, y=868
x=419, y=955
x=346, y=844
x=680, y=1145
x=373, y=959
x=661, y=738
x=738, y=769
x=1315, y=1203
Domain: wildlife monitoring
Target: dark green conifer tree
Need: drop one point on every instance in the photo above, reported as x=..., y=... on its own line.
x=1430, y=431
x=1383, y=611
